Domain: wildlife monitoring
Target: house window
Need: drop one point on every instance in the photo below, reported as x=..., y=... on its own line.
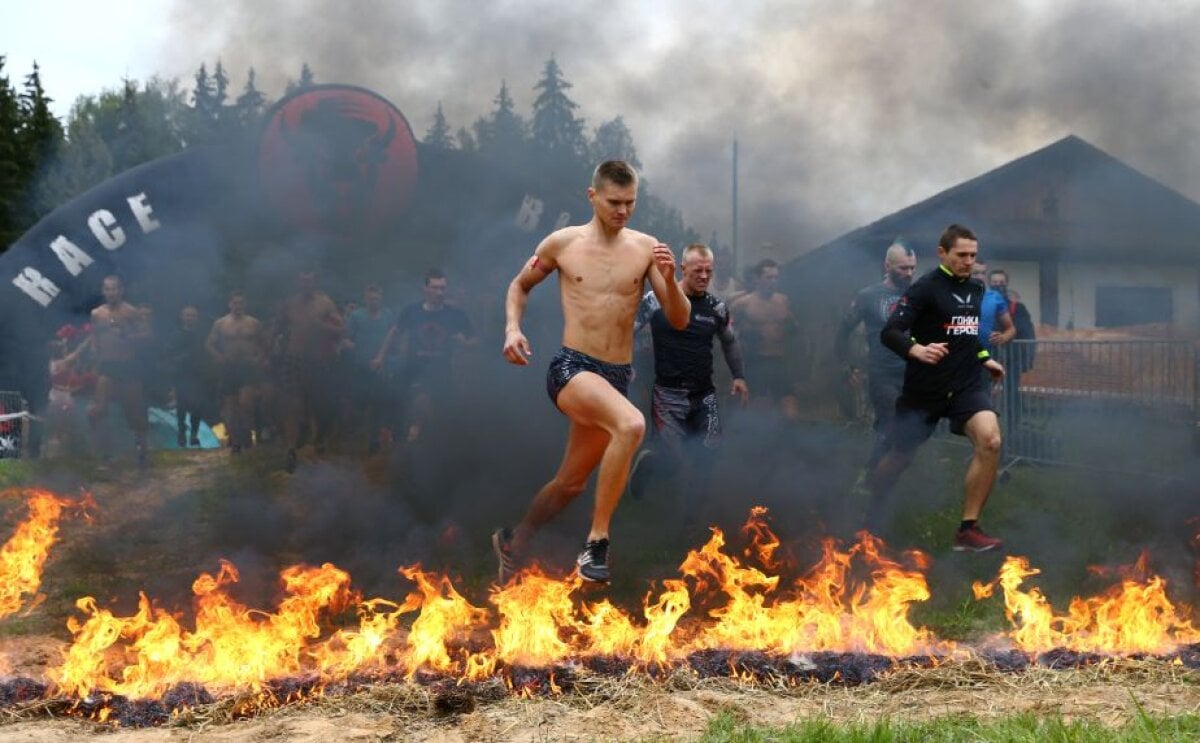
x=1121, y=306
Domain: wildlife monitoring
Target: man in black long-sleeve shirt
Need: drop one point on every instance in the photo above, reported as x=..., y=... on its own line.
x=684, y=402
x=935, y=328
x=872, y=307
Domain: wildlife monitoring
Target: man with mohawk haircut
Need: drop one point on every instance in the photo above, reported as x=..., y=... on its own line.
x=871, y=308
x=602, y=267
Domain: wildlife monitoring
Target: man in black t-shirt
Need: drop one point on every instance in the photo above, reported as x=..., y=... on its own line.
x=684, y=400
x=935, y=328
x=431, y=329
x=872, y=307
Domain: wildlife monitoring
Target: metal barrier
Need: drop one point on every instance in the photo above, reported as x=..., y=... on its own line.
x=14, y=425
x=1122, y=405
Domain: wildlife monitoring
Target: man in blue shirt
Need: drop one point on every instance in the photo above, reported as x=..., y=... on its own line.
x=366, y=327
x=995, y=323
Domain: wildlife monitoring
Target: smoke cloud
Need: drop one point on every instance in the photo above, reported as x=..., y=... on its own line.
x=844, y=111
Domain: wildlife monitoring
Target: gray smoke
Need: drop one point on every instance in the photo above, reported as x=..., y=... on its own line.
x=844, y=111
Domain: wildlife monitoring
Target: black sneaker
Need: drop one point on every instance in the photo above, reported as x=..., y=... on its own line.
x=502, y=546
x=593, y=561
x=639, y=474
x=289, y=464
x=195, y=442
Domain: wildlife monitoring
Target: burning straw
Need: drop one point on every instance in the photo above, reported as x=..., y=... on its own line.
x=728, y=618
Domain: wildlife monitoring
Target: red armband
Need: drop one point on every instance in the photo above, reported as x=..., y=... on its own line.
x=538, y=265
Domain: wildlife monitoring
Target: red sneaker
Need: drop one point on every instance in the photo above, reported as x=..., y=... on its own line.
x=974, y=540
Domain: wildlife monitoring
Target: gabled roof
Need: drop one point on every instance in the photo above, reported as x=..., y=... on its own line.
x=1068, y=198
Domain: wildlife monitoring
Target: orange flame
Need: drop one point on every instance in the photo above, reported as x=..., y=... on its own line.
x=230, y=647
x=853, y=599
x=1134, y=616
x=828, y=609
x=23, y=556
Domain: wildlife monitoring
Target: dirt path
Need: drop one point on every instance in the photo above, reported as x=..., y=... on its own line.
x=634, y=710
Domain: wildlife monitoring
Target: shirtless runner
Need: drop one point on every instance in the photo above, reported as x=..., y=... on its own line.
x=117, y=330
x=602, y=269
x=309, y=328
x=237, y=347
x=768, y=327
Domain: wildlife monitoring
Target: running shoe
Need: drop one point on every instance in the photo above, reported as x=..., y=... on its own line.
x=289, y=464
x=593, y=561
x=974, y=540
x=639, y=474
x=502, y=546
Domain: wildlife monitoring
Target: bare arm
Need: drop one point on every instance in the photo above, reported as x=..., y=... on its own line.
x=1006, y=332
x=675, y=304
x=841, y=342
x=377, y=362
x=542, y=264
x=210, y=344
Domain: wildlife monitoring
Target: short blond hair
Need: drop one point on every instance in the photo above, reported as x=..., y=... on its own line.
x=700, y=248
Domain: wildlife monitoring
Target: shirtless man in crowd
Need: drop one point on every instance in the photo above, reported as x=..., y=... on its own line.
x=767, y=328
x=237, y=347
x=118, y=328
x=602, y=269
x=309, y=329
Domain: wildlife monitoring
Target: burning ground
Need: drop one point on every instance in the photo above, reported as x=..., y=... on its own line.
x=746, y=624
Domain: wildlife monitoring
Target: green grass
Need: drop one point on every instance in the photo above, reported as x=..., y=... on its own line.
x=1022, y=728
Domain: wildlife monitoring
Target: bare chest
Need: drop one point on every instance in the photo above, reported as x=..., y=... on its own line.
x=589, y=273
x=763, y=311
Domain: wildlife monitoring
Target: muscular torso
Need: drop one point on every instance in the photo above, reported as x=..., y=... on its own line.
x=115, y=331
x=601, y=286
x=765, y=323
x=238, y=339
x=308, y=319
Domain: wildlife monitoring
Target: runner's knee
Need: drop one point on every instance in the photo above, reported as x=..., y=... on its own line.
x=630, y=426
x=570, y=486
x=989, y=443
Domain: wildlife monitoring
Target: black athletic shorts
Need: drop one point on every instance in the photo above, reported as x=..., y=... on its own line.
x=232, y=376
x=916, y=420
x=770, y=375
x=568, y=362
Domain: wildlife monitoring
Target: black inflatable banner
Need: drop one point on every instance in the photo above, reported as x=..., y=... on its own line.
x=328, y=159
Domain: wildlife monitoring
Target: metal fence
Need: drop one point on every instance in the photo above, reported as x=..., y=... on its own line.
x=1127, y=405
x=14, y=425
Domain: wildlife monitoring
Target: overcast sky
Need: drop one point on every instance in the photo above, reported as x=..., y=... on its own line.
x=846, y=110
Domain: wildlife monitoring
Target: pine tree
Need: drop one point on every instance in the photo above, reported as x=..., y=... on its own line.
x=84, y=161
x=306, y=80
x=40, y=137
x=614, y=141
x=128, y=148
x=503, y=133
x=438, y=137
x=466, y=141
x=556, y=128
x=220, y=86
x=202, y=127
x=12, y=180
x=225, y=123
x=250, y=104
